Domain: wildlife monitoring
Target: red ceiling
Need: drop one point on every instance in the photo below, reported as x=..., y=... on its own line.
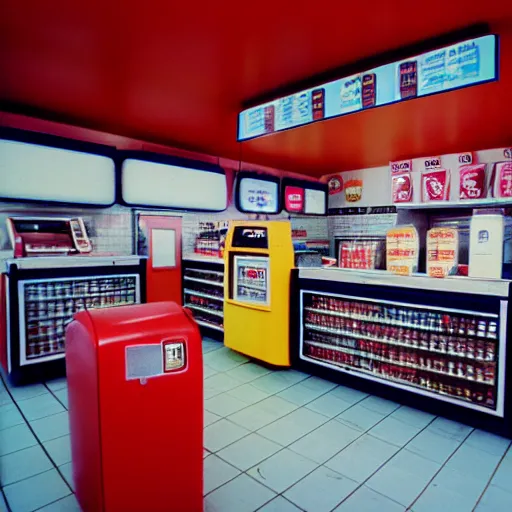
x=178, y=72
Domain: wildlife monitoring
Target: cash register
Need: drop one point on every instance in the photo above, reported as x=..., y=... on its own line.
x=48, y=236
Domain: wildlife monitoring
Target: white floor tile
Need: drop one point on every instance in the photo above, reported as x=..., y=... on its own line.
x=329, y=405
x=210, y=418
x=51, y=427
x=221, y=383
x=248, y=394
x=378, y=404
x=41, y=406
x=360, y=418
x=394, y=431
x=278, y=381
x=249, y=451
x=248, y=372
x=362, y=458
x=293, y=426
x=221, y=434
x=367, y=500
x=36, y=492
x=279, y=504
x=23, y=464
x=324, y=442
x=57, y=384
x=68, y=504
x=242, y=494
x=299, y=394
x=10, y=416
x=59, y=449
x=20, y=393
x=321, y=490
x=16, y=438
x=413, y=417
x=282, y=470
x=224, y=404
x=262, y=413
x=217, y=473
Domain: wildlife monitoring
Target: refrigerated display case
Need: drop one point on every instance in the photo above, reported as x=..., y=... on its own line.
x=41, y=296
x=203, y=293
x=440, y=344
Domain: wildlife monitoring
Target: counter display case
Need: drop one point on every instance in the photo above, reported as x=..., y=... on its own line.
x=443, y=341
x=203, y=293
x=42, y=295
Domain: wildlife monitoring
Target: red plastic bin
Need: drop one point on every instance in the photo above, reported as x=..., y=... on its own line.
x=135, y=381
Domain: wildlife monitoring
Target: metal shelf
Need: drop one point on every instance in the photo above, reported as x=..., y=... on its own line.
x=374, y=357
x=206, y=271
x=394, y=323
x=204, y=281
x=202, y=294
x=210, y=326
x=205, y=310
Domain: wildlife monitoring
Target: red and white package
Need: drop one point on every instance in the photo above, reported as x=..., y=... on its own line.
x=435, y=185
x=502, y=180
x=472, y=181
x=402, y=187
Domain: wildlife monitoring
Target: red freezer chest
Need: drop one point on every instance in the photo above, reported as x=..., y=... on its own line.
x=135, y=380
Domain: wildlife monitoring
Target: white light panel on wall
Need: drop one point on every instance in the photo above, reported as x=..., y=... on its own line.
x=315, y=202
x=41, y=173
x=169, y=186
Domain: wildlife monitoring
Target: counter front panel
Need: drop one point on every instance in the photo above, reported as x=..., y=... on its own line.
x=443, y=345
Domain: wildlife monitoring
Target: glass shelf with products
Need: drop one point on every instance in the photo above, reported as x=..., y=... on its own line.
x=446, y=353
x=47, y=307
x=203, y=292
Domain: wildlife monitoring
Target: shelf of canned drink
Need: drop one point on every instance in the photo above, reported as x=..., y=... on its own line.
x=484, y=399
x=481, y=377
x=458, y=348
x=50, y=305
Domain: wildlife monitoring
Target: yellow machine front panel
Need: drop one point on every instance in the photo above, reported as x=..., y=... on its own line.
x=258, y=259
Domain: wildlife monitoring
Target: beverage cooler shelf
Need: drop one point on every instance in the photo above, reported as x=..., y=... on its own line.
x=204, y=281
x=205, y=310
x=47, y=307
x=487, y=330
x=203, y=292
x=483, y=356
x=188, y=291
x=482, y=376
x=431, y=350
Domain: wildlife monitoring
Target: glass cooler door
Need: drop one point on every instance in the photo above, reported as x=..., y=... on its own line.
x=453, y=355
x=251, y=280
x=46, y=306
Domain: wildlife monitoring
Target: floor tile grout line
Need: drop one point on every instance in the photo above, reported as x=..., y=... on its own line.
x=55, y=501
x=278, y=451
x=56, y=397
x=317, y=464
x=5, y=500
x=40, y=444
x=384, y=463
x=282, y=447
x=409, y=507
x=492, y=476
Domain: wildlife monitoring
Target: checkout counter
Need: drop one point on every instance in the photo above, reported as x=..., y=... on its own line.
x=45, y=278
x=437, y=344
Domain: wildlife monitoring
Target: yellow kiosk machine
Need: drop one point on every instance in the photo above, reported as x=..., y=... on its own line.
x=258, y=259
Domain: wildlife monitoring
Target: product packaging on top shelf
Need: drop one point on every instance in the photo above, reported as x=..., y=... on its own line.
x=486, y=235
x=442, y=252
x=502, y=180
x=402, y=250
x=472, y=181
x=435, y=185
x=401, y=181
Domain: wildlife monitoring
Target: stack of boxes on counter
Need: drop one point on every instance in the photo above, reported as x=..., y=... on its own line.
x=450, y=353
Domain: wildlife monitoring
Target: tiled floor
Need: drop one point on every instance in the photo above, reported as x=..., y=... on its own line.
x=278, y=442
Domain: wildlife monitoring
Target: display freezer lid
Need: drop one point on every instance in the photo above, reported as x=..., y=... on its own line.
x=494, y=287
x=32, y=172
x=50, y=262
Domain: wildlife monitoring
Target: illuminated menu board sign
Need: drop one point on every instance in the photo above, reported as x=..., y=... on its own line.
x=470, y=62
x=257, y=193
x=304, y=197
